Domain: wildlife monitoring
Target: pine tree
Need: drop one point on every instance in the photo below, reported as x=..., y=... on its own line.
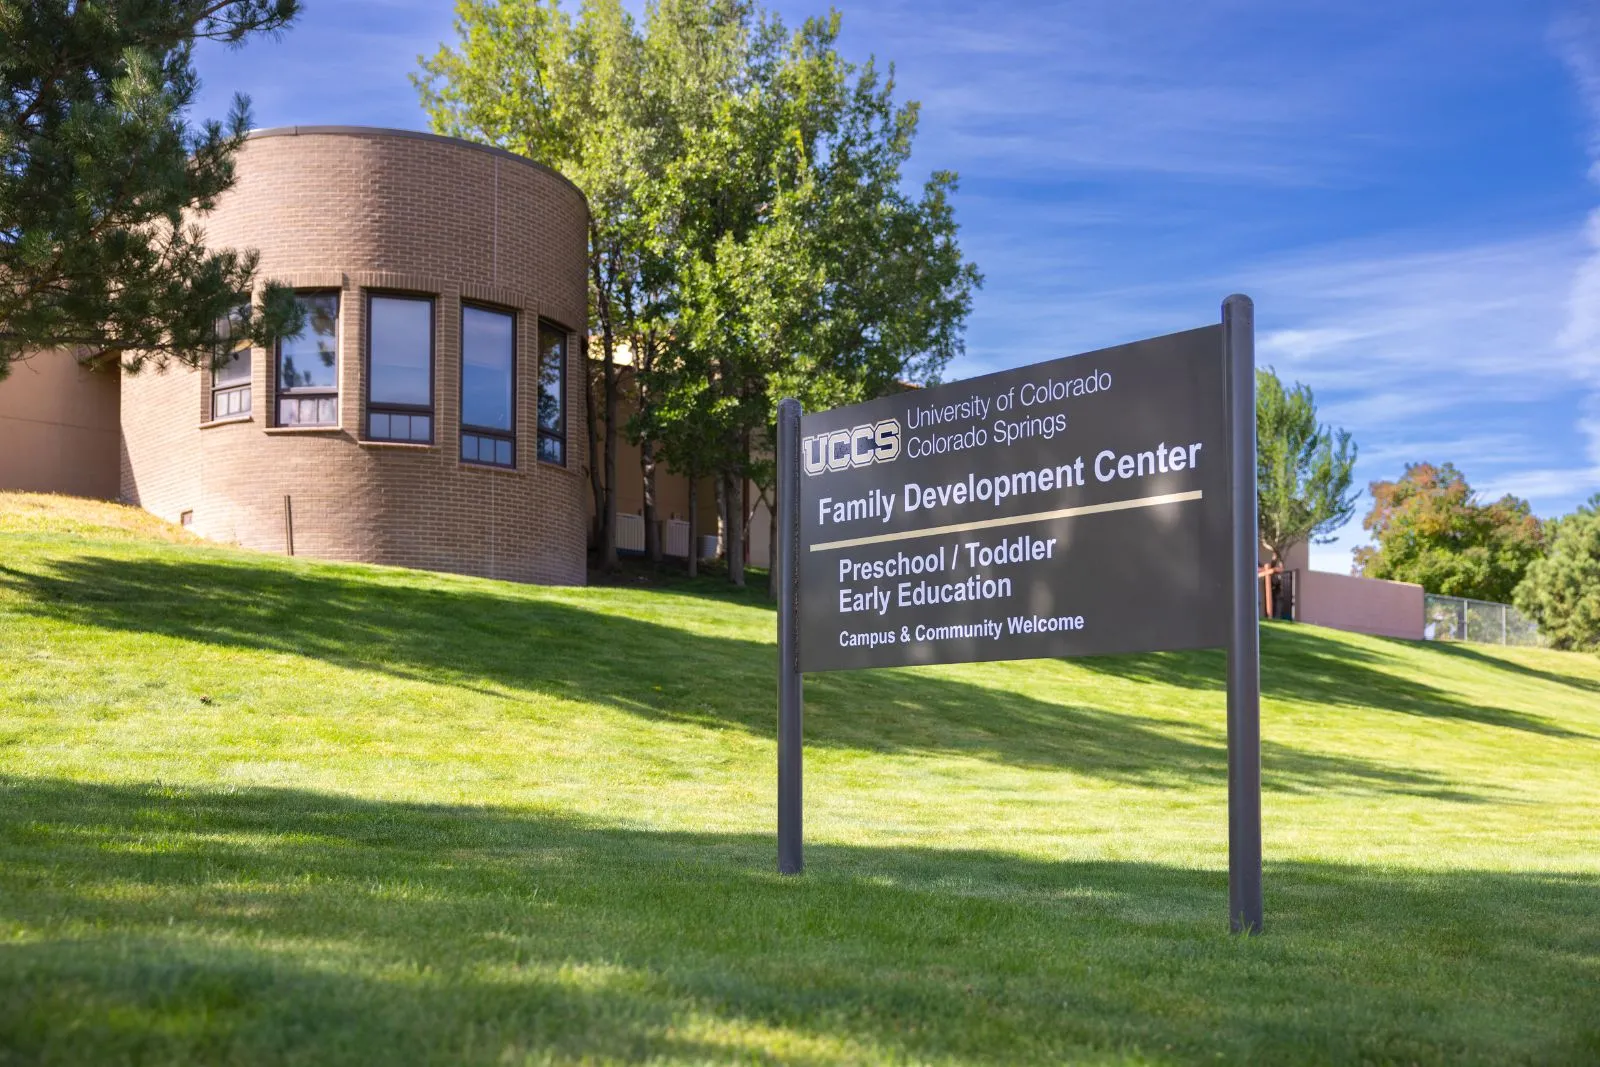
x=102, y=176
x=1561, y=590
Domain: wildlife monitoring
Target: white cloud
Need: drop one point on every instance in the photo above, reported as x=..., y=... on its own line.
x=1362, y=318
x=1449, y=353
x=1455, y=354
x=1237, y=91
x=1576, y=39
x=340, y=63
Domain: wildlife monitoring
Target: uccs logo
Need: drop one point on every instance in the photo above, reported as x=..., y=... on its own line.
x=842, y=449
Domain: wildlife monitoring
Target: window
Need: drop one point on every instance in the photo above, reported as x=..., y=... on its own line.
x=552, y=393
x=399, y=368
x=230, y=367
x=308, y=382
x=488, y=360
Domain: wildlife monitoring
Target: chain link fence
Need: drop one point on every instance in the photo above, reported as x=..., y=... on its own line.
x=1454, y=618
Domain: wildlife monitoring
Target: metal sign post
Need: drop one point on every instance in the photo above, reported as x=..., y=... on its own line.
x=1244, y=627
x=791, y=855
x=1008, y=517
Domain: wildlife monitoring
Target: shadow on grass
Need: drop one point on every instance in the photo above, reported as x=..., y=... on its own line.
x=1477, y=656
x=671, y=575
x=515, y=643
x=175, y=925
x=1300, y=664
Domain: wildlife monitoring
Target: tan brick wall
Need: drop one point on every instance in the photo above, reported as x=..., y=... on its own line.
x=363, y=210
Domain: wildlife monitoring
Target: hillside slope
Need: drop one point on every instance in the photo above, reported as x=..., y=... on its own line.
x=256, y=809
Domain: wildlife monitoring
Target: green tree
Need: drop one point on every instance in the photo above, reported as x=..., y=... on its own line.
x=685, y=423
x=749, y=231
x=1431, y=529
x=694, y=55
x=101, y=177
x=1303, y=469
x=808, y=269
x=1561, y=589
x=579, y=95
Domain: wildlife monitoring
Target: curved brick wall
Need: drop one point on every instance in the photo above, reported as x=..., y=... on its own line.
x=360, y=210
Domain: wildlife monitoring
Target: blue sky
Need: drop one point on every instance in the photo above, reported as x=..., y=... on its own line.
x=1410, y=191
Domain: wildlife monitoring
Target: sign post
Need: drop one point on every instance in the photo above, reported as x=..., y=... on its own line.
x=1244, y=629
x=791, y=856
x=1096, y=504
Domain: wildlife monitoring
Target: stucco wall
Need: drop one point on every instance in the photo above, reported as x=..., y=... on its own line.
x=1298, y=558
x=1360, y=605
x=58, y=427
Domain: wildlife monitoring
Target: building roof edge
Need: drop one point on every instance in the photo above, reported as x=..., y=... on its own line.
x=387, y=131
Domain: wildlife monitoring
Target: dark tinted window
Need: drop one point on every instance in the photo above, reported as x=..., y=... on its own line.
x=308, y=373
x=552, y=393
x=482, y=448
x=234, y=369
x=230, y=370
x=308, y=359
x=488, y=376
x=399, y=368
x=401, y=336
x=487, y=351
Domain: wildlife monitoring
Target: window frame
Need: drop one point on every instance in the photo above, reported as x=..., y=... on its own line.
x=384, y=407
x=232, y=389
x=561, y=434
x=303, y=392
x=468, y=429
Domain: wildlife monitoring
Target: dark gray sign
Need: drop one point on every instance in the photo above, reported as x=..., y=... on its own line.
x=1073, y=507
x=1100, y=503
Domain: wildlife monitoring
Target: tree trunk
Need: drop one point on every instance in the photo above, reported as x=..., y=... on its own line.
x=608, y=541
x=644, y=348
x=694, y=525
x=772, y=543
x=647, y=470
x=744, y=520
x=720, y=488
x=602, y=307
x=595, y=486
x=744, y=506
x=733, y=493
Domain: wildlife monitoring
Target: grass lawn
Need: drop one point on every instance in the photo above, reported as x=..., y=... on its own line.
x=263, y=810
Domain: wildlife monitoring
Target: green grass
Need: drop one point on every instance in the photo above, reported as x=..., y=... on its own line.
x=258, y=810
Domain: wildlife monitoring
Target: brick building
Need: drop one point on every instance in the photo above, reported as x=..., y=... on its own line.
x=431, y=413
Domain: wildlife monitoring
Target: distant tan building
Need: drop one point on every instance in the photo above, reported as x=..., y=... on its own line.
x=1342, y=601
x=430, y=415
x=672, y=490
x=59, y=427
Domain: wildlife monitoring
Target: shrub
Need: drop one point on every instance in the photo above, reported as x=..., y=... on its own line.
x=1561, y=591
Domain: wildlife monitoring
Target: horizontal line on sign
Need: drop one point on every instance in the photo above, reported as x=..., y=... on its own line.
x=1012, y=520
